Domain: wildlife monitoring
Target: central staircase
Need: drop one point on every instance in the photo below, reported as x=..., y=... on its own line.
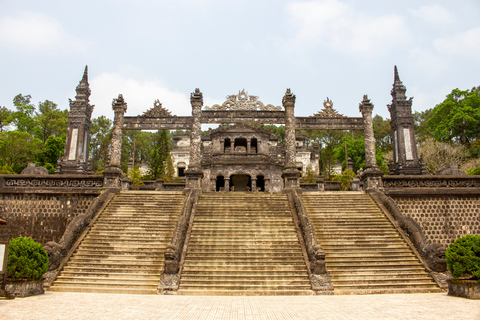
x=124, y=250
x=244, y=244
x=365, y=254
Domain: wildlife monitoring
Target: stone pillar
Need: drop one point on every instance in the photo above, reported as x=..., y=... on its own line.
x=75, y=156
x=254, y=184
x=227, y=184
x=194, y=172
x=249, y=145
x=291, y=175
x=113, y=173
x=372, y=176
x=222, y=146
x=405, y=156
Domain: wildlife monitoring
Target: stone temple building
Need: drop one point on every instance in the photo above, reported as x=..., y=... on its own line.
x=243, y=158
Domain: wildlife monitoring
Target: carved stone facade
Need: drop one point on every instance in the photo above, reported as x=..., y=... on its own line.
x=405, y=156
x=243, y=157
x=75, y=157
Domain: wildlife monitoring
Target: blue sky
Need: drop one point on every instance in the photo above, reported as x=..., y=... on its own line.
x=149, y=50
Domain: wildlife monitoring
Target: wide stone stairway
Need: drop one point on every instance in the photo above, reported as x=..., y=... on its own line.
x=244, y=244
x=364, y=252
x=124, y=250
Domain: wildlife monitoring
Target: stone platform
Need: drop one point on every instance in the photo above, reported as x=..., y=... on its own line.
x=75, y=306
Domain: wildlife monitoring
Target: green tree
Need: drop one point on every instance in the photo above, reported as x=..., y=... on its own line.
x=327, y=161
x=159, y=154
x=17, y=149
x=169, y=172
x=383, y=133
x=136, y=176
x=457, y=118
x=51, y=151
x=5, y=118
x=422, y=129
x=356, y=152
x=100, y=138
x=24, y=117
x=51, y=120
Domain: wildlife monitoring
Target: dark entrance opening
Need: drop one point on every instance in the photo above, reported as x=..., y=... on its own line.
x=260, y=183
x=220, y=184
x=227, y=146
x=181, y=172
x=241, y=145
x=241, y=182
x=254, y=146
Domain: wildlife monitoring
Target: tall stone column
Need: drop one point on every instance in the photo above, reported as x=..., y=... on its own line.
x=113, y=173
x=254, y=184
x=372, y=176
x=194, y=172
x=75, y=156
x=291, y=175
x=405, y=155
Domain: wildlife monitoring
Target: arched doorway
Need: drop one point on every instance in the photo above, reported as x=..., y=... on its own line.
x=220, y=183
x=261, y=183
x=241, y=182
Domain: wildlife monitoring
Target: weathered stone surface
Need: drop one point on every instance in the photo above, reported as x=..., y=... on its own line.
x=33, y=168
x=464, y=288
x=24, y=288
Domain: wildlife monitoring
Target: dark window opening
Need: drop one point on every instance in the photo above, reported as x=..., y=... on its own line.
x=181, y=172
x=254, y=146
x=240, y=182
x=220, y=184
x=260, y=183
x=241, y=145
x=227, y=146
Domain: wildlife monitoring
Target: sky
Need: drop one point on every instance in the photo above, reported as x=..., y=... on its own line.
x=162, y=49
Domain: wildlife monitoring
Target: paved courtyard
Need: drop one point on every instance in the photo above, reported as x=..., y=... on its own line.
x=63, y=305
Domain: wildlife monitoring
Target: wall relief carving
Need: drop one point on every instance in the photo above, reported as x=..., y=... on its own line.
x=328, y=111
x=242, y=101
x=157, y=111
x=53, y=183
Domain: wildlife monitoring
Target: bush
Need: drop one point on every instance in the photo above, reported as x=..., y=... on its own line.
x=26, y=259
x=463, y=257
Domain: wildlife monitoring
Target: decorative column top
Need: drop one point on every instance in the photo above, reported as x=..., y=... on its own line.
x=288, y=99
x=365, y=106
x=119, y=104
x=196, y=98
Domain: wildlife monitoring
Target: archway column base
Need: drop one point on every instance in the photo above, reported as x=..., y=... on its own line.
x=372, y=180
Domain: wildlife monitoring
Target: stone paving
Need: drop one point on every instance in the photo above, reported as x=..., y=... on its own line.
x=73, y=306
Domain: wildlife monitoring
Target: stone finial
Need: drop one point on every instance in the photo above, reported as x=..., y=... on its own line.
x=398, y=90
x=288, y=98
x=83, y=88
x=196, y=96
x=119, y=103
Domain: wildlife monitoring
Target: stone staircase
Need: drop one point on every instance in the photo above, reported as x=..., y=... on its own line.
x=244, y=244
x=124, y=250
x=365, y=254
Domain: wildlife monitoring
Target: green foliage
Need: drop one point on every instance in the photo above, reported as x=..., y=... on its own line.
x=136, y=175
x=51, y=151
x=422, y=130
x=457, y=118
x=100, y=139
x=463, y=257
x=6, y=169
x=169, y=171
x=17, y=149
x=51, y=121
x=327, y=161
x=474, y=172
x=159, y=153
x=383, y=133
x=345, y=179
x=5, y=118
x=310, y=176
x=27, y=259
x=24, y=116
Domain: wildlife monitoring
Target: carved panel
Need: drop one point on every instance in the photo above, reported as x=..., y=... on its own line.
x=157, y=111
x=30, y=182
x=242, y=101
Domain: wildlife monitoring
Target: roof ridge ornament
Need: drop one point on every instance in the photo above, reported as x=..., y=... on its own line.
x=243, y=101
x=328, y=111
x=157, y=111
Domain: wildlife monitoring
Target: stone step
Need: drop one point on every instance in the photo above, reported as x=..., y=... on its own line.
x=116, y=275
x=74, y=288
x=238, y=292
x=108, y=284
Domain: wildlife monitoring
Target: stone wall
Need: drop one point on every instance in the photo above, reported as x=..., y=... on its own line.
x=446, y=207
x=41, y=206
x=43, y=217
x=443, y=218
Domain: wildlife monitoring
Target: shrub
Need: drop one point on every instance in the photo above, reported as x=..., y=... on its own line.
x=463, y=257
x=26, y=259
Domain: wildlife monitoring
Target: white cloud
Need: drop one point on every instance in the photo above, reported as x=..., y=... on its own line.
x=428, y=61
x=341, y=28
x=466, y=43
x=434, y=14
x=139, y=95
x=36, y=32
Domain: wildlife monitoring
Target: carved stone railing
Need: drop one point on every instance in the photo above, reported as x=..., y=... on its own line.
x=76, y=230
x=67, y=182
x=404, y=185
x=432, y=254
x=175, y=251
x=316, y=255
